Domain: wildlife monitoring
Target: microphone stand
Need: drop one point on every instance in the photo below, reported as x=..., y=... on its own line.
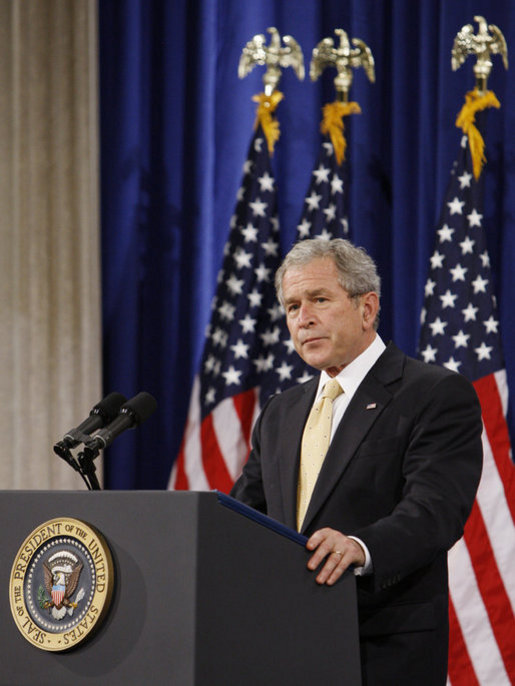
x=87, y=467
x=84, y=464
x=132, y=413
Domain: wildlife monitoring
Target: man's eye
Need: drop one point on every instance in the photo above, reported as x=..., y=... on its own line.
x=292, y=308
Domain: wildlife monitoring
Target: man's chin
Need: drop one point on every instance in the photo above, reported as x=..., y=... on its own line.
x=316, y=362
x=321, y=363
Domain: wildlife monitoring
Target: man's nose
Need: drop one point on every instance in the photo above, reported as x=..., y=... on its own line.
x=305, y=316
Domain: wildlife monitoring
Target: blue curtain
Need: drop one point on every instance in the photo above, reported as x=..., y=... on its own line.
x=175, y=126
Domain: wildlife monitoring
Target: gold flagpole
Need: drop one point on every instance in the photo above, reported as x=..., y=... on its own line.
x=274, y=57
x=483, y=45
x=344, y=59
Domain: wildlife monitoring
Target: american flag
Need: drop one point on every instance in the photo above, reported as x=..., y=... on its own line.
x=324, y=212
x=245, y=323
x=460, y=330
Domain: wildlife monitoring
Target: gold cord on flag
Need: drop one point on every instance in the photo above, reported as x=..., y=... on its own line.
x=344, y=59
x=488, y=40
x=475, y=102
x=332, y=124
x=274, y=57
x=267, y=104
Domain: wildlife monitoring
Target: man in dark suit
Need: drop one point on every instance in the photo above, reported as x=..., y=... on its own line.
x=400, y=475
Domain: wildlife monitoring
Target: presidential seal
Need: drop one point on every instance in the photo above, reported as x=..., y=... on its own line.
x=61, y=584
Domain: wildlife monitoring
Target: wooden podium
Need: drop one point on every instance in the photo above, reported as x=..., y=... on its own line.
x=204, y=596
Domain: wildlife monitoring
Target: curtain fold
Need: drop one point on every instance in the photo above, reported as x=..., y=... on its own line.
x=50, y=270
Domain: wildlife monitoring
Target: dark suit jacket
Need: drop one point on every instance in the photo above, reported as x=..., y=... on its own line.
x=401, y=474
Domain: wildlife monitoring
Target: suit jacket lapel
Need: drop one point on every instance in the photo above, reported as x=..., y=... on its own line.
x=296, y=414
x=368, y=402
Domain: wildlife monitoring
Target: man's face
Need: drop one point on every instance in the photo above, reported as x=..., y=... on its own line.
x=328, y=329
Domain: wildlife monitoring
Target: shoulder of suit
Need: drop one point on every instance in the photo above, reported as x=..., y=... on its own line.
x=434, y=379
x=430, y=370
x=417, y=369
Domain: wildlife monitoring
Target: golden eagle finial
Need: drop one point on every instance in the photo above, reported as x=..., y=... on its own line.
x=482, y=44
x=273, y=56
x=344, y=59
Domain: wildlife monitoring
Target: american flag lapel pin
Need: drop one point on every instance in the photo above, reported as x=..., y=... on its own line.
x=371, y=406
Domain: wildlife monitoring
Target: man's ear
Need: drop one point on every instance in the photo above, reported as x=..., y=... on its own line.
x=370, y=308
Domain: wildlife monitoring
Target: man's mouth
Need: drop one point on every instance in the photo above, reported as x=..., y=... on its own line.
x=312, y=339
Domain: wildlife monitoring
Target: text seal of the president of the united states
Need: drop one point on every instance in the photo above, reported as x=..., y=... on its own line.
x=61, y=583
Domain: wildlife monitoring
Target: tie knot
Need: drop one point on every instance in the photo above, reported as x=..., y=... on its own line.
x=332, y=389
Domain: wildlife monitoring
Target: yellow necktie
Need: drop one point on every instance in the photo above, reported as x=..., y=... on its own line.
x=315, y=442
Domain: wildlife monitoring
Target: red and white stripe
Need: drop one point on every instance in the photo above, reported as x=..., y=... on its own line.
x=214, y=450
x=58, y=596
x=482, y=563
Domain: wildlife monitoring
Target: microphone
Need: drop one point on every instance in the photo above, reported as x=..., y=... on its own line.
x=132, y=413
x=103, y=413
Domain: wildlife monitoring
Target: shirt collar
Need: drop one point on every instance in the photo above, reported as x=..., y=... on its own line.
x=353, y=374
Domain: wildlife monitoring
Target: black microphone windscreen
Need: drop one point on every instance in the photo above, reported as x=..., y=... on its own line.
x=140, y=407
x=101, y=415
x=109, y=407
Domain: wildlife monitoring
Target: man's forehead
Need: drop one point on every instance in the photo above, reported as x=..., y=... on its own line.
x=310, y=280
x=317, y=267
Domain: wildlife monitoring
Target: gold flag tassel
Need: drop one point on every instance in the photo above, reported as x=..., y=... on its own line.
x=275, y=57
x=332, y=125
x=344, y=59
x=475, y=102
x=488, y=40
x=267, y=104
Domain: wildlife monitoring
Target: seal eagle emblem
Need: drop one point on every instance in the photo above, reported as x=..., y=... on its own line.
x=62, y=572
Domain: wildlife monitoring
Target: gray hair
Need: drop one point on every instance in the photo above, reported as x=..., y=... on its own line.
x=357, y=271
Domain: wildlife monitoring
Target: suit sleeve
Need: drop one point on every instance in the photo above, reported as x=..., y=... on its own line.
x=249, y=488
x=441, y=469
